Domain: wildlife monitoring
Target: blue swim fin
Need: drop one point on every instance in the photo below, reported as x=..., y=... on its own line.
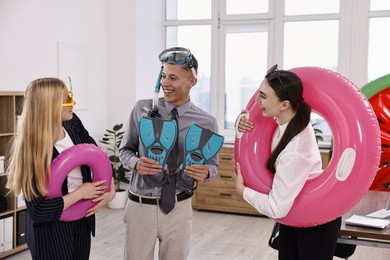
x=200, y=146
x=158, y=137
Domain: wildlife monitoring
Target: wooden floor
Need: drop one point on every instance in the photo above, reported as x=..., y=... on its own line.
x=215, y=236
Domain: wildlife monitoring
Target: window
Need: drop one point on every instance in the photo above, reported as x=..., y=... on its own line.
x=311, y=43
x=311, y=36
x=303, y=7
x=378, y=5
x=246, y=6
x=188, y=9
x=189, y=37
x=236, y=41
x=245, y=65
x=379, y=51
x=378, y=47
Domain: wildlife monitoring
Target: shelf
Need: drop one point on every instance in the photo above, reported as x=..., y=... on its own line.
x=20, y=209
x=6, y=213
x=5, y=141
x=7, y=108
x=11, y=104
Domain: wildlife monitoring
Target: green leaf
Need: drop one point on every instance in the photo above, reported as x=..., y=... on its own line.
x=112, y=139
x=117, y=127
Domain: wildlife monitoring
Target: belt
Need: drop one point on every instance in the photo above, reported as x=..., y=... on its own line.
x=155, y=201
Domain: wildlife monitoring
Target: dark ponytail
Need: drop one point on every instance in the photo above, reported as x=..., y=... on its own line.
x=289, y=87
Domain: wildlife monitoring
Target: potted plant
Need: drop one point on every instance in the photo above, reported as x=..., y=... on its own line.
x=112, y=139
x=317, y=132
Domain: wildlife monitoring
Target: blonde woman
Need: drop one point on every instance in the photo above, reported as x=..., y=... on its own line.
x=48, y=126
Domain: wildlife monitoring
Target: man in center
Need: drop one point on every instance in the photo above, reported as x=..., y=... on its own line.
x=146, y=219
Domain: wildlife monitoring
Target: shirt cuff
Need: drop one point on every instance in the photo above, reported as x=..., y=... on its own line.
x=133, y=163
x=248, y=195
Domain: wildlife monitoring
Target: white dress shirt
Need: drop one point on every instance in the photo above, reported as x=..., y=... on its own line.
x=75, y=179
x=298, y=162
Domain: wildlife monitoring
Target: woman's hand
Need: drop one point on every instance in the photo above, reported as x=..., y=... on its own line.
x=244, y=124
x=91, y=190
x=88, y=190
x=102, y=200
x=146, y=166
x=198, y=172
x=239, y=180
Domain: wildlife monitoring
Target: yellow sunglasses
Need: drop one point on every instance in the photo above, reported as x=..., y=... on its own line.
x=70, y=100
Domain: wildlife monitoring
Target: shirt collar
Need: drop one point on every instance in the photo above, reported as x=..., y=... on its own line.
x=181, y=109
x=282, y=128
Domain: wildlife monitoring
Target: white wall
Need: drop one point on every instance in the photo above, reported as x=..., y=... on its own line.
x=150, y=38
x=122, y=37
x=29, y=33
x=121, y=46
x=135, y=33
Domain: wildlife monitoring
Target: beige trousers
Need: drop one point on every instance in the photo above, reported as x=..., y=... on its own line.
x=147, y=223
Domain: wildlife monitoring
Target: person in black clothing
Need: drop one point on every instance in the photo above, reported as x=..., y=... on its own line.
x=47, y=127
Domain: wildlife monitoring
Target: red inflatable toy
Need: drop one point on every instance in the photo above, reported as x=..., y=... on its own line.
x=378, y=92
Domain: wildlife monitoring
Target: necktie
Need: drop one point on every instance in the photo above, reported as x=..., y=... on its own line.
x=168, y=191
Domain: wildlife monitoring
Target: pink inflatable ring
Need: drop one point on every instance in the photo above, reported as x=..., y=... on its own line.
x=355, y=157
x=81, y=154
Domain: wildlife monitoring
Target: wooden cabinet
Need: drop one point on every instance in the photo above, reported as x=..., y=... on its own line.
x=10, y=107
x=220, y=194
x=325, y=157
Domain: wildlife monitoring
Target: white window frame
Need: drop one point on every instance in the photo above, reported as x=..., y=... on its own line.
x=354, y=18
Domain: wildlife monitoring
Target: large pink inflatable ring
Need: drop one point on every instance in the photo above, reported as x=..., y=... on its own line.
x=81, y=154
x=355, y=157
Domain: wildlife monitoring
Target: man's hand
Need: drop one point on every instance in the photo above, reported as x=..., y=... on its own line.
x=146, y=166
x=198, y=172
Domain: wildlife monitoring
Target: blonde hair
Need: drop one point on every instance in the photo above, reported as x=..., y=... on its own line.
x=32, y=148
